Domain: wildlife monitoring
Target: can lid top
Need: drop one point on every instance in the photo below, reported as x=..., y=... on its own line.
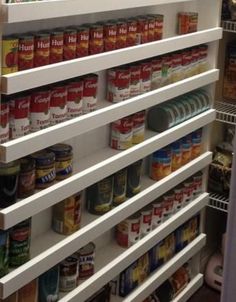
x=88, y=249
x=61, y=149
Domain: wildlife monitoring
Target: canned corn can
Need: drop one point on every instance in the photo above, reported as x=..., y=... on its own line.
x=26, y=52
x=10, y=45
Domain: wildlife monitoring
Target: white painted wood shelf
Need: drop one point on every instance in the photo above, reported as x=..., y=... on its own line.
x=45, y=75
x=162, y=274
x=105, y=114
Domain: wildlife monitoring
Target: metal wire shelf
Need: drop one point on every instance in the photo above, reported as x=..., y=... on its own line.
x=229, y=26
x=219, y=202
x=225, y=112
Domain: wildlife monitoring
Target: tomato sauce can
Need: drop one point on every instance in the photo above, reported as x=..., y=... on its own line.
x=138, y=127
x=121, y=38
x=19, y=115
x=41, y=49
x=58, y=104
x=179, y=198
x=75, y=90
x=99, y=196
x=29, y=292
x=4, y=120
x=86, y=257
x=110, y=33
x=10, y=46
x=156, y=77
x=168, y=205
x=26, y=182
x=96, y=39
x=26, y=52
x=198, y=184
x=159, y=23
x=49, y=285
x=187, y=149
x=157, y=213
x=4, y=252
x=69, y=273
x=122, y=133
x=196, y=143
x=151, y=28
x=135, y=80
x=120, y=187
x=142, y=30
x=118, y=84
x=161, y=163
x=70, y=38
x=176, y=148
x=82, y=44
x=19, y=246
x=146, y=220
x=134, y=178
x=40, y=109
x=188, y=191
x=146, y=72
x=56, y=46
x=90, y=93
x=128, y=231
x=131, y=32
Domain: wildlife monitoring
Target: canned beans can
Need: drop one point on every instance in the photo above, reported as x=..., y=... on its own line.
x=122, y=133
x=134, y=178
x=121, y=38
x=75, y=98
x=120, y=187
x=56, y=46
x=128, y=231
x=131, y=32
x=29, y=293
x=142, y=30
x=157, y=213
x=58, y=104
x=90, y=93
x=146, y=220
x=41, y=49
x=70, y=38
x=4, y=120
x=69, y=274
x=110, y=33
x=138, y=127
x=26, y=52
x=135, y=80
x=146, y=72
x=82, y=46
x=10, y=46
x=96, y=39
x=86, y=257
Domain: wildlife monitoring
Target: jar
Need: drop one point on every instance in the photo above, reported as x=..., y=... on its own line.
x=45, y=173
x=9, y=175
x=64, y=156
x=86, y=257
x=26, y=183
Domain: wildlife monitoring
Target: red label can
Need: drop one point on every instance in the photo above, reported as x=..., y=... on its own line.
x=146, y=221
x=96, y=41
x=56, y=46
x=131, y=32
x=58, y=104
x=90, y=93
x=40, y=109
x=139, y=127
x=110, y=33
x=135, y=78
x=157, y=214
x=156, y=78
x=159, y=21
x=168, y=205
x=122, y=133
x=82, y=46
x=70, y=37
x=179, y=196
x=4, y=121
x=26, y=52
x=75, y=98
x=151, y=28
x=121, y=39
x=41, y=49
x=142, y=30
x=146, y=72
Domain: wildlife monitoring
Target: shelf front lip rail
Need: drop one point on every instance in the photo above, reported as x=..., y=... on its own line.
x=28, y=79
x=31, y=143
x=22, y=12
x=41, y=263
x=226, y=112
x=81, y=180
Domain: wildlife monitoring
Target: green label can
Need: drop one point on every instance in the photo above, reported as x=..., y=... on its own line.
x=4, y=249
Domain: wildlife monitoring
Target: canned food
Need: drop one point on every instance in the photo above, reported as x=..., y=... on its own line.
x=157, y=213
x=26, y=52
x=29, y=292
x=142, y=30
x=161, y=163
x=4, y=120
x=90, y=93
x=146, y=220
x=159, y=22
x=203, y=63
x=58, y=104
x=110, y=33
x=56, y=46
x=138, y=127
x=186, y=149
x=69, y=273
x=69, y=49
x=128, y=231
x=10, y=46
x=177, y=68
x=196, y=143
x=188, y=191
x=4, y=252
x=96, y=39
x=187, y=63
x=49, y=285
x=195, y=60
x=19, y=245
x=82, y=46
x=156, y=76
x=146, y=72
x=122, y=133
x=41, y=49
x=179, y=198
x=86, y=257
x=120, y=187
x=188, y=22
x=134, y=178
x=166, y=70
x=151, y=28
x=40, y=109
x=176, y=148
x=121, y=38
x=135, y=78
x=75, y=98
x=131, y=32
x=168, y=205
x=198, y=184
x=64, y=156
x=118, y=84
x=26, y=183
x=99, y=196
x=45, y=169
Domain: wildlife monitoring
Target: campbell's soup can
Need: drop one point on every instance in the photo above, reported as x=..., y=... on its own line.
x=40, y=109
x=49, y=285
x=110, y=33
x=82, y=44
x=138, y=127
x=142, y=30
x=120, y=187
x=75, y=90
x=70, y=37
x=96, y=39
x=134, y=178
x=56, y=46
x=118, y=84
x=146, y=220
x=135, y=80
x=4, y=120
x=86, y=256
x=188, y=190
x=41, y=49
x=157, y=213
x=121, y=38
x=146, y=72
x=179, y=198
x=29, y=292
x=128, y=231
x=90, y=93
x=122, y=133
x=156, y=77
x=58, y=104
x=198, y=184
x=131, y=32
x=10, y=46
x=19, y=115
x=69, y=273
x=26, y=52
x=168, y=205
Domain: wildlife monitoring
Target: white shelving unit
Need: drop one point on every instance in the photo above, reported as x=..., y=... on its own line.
x=89, y=136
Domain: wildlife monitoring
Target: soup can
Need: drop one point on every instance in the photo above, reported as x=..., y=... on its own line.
x=134, y=178
x=75, y=90
x=4, y=120
x=110, y=34
x=146, y=73
x=96, y=39
x=86, y=257
x=29, y=293
x=121, y=38
x=4, y=252
x=156, y=76
x=90, y=93
x=58, y=104
x=120, y=187
x=146, y=220
x=188, y=191
x=69, y=273
x=135, y=78
x=179, y=198
x=49, y=285
x=198, y=184
x=131, y=32
x=128, y=231
x=168, y=205
x=157, y=213
x=122, y=133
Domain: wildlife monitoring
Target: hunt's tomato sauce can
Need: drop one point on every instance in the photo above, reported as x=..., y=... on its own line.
x=96, y=39
x=4, y=120
x=121, y=38
x=122, y=133
x=26, y=52
x=70, y=37
x=135, y=80
x=58, y=104
x=151, y=28
x=131, y=32
x=118, y=84
x=10, y=47
x=142, y=30
x=82, y=44
x=146, y=73
x=41, y=49
x=90, y=93
x=75, y=90
x=110, y=33
x=159, y=21
x=40, y=109
x=56, y=46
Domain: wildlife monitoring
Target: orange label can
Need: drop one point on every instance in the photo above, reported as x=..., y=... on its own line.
x=26, y=52
x=10, y=46
x=42, y=49
x=56, y=46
